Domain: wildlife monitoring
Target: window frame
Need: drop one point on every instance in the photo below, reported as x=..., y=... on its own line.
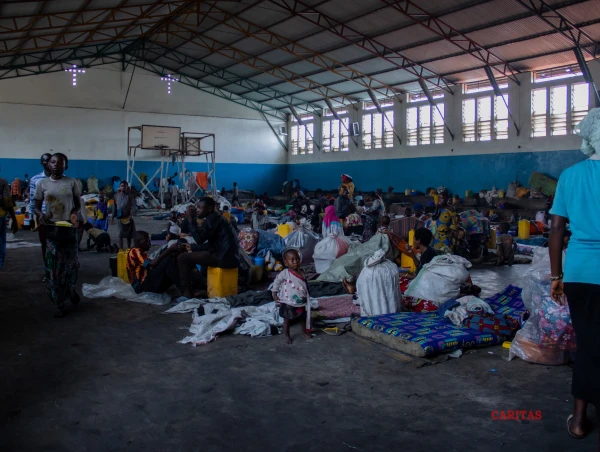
x=434, y=129
x=491, y=127
x=327, y=130
x=308, y=128
x=387, y=134
x=552, y=120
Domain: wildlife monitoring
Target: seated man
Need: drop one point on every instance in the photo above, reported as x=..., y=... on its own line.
x=217, y=244
x=423, y=238
x=152, y=275
x=98, y=238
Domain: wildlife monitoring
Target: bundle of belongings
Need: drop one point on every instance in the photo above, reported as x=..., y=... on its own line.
x=548, y=336
x=304, y=240
x=349, y=266
x=328, y=250
x=377, y=287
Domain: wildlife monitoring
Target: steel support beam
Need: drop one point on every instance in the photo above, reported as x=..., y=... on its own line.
x=153, y=51
x=215, y=47
x=490, y=74
x=369, y=44
x=560, y=23
x=259, y=33
x=587, y=75
x=409, y=9
x=425, y=89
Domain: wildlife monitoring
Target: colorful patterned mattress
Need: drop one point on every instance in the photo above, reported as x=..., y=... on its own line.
x=427, y=334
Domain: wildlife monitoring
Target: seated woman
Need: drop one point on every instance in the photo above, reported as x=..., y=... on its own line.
x=331, y=223
x=353, y=223
x=260, y=220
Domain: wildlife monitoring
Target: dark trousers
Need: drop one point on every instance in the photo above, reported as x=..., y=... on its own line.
x=584, y=306
x=161, y=277
x=187, y=262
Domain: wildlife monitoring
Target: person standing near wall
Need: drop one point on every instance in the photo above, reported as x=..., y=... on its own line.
x=7, y=207
x=62, y=197
x=235, y=199
x=576, y=201
x=123, y=211
x=32, y=187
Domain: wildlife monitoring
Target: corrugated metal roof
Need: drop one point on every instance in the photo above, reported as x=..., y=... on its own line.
x=505, y=27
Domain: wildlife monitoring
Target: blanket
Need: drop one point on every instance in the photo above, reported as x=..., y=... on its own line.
x=339, y=307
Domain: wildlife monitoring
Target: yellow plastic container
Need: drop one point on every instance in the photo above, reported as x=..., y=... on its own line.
x=284, y=230
x=122, y=265
x=222, y=282
x=524, y=229
x=468, y=194
x=407, y=192
x=20, y=219
x=501, y=194
x=406, y=261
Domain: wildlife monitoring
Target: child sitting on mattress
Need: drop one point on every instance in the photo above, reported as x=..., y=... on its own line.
x=291, y=294
x=506, y=246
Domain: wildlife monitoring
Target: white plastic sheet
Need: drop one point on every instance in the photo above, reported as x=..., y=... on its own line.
x=440, y=280
x=116, y=287
x=304, y=240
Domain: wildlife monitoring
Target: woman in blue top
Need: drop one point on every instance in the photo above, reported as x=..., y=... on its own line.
x=576, y=201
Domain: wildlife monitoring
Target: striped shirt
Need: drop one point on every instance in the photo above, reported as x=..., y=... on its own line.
x=32, y=184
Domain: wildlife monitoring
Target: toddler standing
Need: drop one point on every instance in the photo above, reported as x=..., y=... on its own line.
x=291, y=294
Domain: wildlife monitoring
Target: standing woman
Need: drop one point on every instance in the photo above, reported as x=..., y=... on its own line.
x=372, y=215
x=122, y=211
x=576, y=201
x=348, y=184
x=62, y=198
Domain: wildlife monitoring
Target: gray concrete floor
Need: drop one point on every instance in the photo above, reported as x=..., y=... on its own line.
x=111, y=376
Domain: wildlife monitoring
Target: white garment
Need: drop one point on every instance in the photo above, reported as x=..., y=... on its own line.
x=467, y=304
x=378, y=286
x=334, y=228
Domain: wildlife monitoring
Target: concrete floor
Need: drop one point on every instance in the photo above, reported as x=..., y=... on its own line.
x=111, y=376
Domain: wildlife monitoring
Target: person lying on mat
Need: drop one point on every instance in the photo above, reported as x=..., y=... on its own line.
x=152, y=275
x=217, y=244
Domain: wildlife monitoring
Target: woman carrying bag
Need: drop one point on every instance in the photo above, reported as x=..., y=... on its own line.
x=62, y=197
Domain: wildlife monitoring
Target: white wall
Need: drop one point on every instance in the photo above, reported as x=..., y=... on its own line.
x=45, y=112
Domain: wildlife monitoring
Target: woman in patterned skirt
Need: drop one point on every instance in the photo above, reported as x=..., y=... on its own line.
x=62, y=198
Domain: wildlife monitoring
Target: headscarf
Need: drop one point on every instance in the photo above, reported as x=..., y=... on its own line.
x=346, y=178
x=330, y=216
x=589, y=130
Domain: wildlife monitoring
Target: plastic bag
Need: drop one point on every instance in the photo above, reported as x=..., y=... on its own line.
x=328, y=250
x=92, y=185
x=304, y=240
x=548, y=336
x=116, y=287
x=440, y=280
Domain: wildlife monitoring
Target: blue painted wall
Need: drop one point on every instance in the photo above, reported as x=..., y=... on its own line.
x=257, y=177
x=457, y=173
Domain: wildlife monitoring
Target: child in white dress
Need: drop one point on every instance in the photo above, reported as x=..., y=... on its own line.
x=291, y=294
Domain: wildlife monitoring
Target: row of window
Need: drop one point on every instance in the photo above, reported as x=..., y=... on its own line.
x=555, y=111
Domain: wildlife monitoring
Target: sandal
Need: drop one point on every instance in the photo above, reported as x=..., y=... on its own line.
x=571, y=433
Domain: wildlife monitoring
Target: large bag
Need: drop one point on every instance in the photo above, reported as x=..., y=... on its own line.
x=378, y=286
x=305, y=240
x=440, y=280
x=328, y=250
x=548, y=336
